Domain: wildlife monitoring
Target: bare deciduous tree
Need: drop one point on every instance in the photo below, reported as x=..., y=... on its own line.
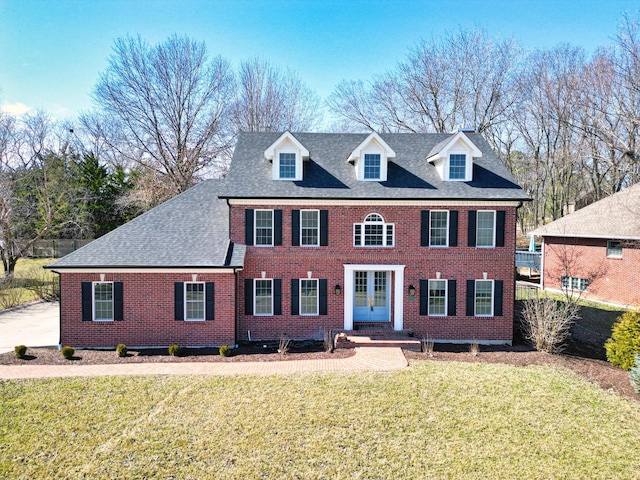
x=269, y=99
x=170, y=104
x=461, y=80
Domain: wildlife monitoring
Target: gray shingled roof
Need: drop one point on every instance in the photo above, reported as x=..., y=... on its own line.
x=328, y=174
x=614, y=217
x=190, y=230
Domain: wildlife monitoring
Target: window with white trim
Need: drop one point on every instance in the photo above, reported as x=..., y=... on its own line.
x=574, y=283
x=263, y=297
x=372, y=166
x=483, y=302
x=437, y=298
x=287, y=166
x=373, y=232
x=485, y=228
x=438, y=228
x=309, y=296
x=614, y=248
x=457, y=166
x=263, y=228
x=310, y=228
x=103, y=301
x=194, y=308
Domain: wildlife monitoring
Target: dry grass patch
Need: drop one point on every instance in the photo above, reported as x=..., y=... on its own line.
x=432, y=420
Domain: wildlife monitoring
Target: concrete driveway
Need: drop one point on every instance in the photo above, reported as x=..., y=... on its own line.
x=35, y=325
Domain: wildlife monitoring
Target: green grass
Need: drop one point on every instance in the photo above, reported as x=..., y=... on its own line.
x=30, y=282
x=432, y=420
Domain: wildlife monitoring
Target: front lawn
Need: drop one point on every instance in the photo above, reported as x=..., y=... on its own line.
x=432, y=420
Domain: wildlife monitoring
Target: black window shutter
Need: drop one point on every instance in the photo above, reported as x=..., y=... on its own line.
x=87, y=310
x=500, y=222
x=295, y=228
x=178, y=295
x=295, y=296
x=471, y=231
x=277, y=228
x=248, y=226
x=210, y=302
x=498, y=287
x=277, y=296
x=248, y=296
x=453, y=228
x=424, y=229
x=471, y=297
x=322, y=299
x=451, y=298
x=118, y=310
x=324, y=228
x=424, y=297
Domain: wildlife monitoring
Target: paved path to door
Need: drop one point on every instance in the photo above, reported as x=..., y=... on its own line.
x=366, y=359
x=34, y=325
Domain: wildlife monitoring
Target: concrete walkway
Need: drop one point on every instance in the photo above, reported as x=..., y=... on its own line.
x=33, y=325
x=366, y=359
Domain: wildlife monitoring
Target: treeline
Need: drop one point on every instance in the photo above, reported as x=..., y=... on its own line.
x=167, y=115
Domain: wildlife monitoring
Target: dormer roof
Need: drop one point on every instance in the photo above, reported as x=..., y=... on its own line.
x=441, y=150
x=282, y=140
x=371, y=139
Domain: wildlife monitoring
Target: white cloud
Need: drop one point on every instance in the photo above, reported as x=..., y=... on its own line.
x=16, y=109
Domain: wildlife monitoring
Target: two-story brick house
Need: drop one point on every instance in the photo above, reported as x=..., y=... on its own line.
x=310, y=232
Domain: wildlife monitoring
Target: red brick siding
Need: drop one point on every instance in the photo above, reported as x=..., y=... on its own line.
x=459, y=263
x=618, y=279
x=148, y=302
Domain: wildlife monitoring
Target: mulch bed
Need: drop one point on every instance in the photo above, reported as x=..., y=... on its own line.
x=250, y=352
x=579, y=358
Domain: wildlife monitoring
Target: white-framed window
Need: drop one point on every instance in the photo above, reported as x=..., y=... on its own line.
x=438, y=228
x=263, y=297
x=457, y=166
x=437, y=298
x=309, y=228
x=372, y=162
x=263, y=230
x=485, y=228
x=574, y=283
x=287, y=166
x=614, y=248
x=103, y=301
x=373, y=232
x=309, y=296
x=194, y=308
x=483, y=304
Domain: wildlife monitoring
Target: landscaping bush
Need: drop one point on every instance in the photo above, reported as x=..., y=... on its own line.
x=121, y=350
x=546, y=323
x=67, y=352
x=624, y=343
x=174, y=350
x=634, y=374
x=20, y=351
x=225, y=351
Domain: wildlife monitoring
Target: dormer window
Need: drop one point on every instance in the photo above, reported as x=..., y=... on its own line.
x=287, y=166
x=287, y=155
x=453, y=158
x=457, y=166
x=372, y=166
x=370, y=159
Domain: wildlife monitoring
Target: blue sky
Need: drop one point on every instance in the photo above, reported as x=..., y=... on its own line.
x=52, y=51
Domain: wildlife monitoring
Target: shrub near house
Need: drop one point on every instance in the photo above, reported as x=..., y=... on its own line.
x=310, y=232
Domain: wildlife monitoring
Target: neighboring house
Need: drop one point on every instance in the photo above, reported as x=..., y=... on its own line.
x=310, y=232
x=595, y=251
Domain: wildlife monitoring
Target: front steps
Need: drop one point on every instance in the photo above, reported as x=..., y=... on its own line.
x=375, y=335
